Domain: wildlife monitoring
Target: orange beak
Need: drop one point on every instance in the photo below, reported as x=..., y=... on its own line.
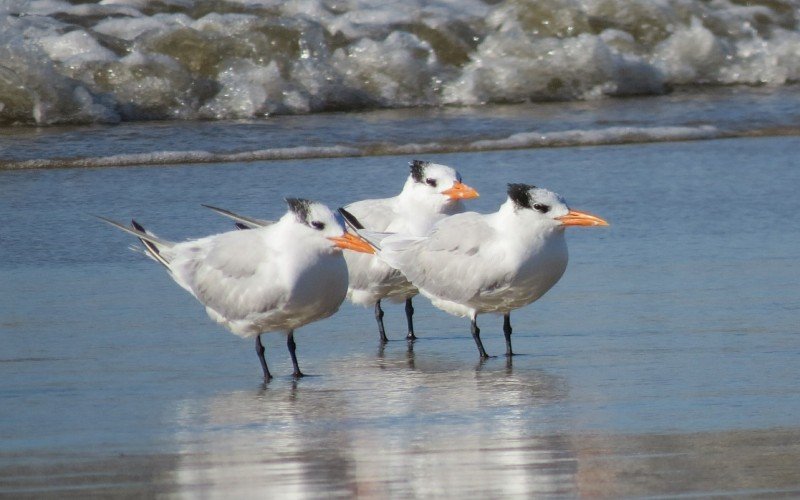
x=350, y=241
x=460, y=191
x=578, y=218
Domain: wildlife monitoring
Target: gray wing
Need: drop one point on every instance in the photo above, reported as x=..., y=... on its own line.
x=235, y=273
x=456, y=261
x=374, y=215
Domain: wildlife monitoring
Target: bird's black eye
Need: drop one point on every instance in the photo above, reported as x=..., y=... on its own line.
x=430, y=182
x=318, y=225
x=541, y=207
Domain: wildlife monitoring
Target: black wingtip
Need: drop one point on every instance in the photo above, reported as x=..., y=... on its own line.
x=137, y=226
x=351, y=219
x=149, y=245
x=241, y=226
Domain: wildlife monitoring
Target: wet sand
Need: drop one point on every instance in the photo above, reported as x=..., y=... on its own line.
x=754, y=463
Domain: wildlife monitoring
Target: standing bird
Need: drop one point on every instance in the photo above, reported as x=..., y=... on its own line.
x=471, y=263
x=431, y=192
x=275, y=278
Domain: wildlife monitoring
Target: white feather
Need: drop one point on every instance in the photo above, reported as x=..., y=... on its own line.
x=272, y=278
x=471, y=263
x=412, y=212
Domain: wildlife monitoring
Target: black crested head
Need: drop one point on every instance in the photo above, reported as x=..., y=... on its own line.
x=520, y=194
x=299, y=207
x=418, y=170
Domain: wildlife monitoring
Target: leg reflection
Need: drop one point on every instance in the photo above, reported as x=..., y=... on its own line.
x=410, y=355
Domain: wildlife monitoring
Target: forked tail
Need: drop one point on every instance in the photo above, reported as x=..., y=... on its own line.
x=242, y=221
x=152, y=244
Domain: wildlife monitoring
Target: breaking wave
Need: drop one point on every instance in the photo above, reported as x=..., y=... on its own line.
x=611, y=135
x=79, y=62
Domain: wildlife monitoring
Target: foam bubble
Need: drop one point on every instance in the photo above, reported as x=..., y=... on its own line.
x=130, y=29
x=773, y=62
x=247, y=90
x=690, y=54
x=146, y=59
x=512, y=67
x=399, y=70
x=75, y=48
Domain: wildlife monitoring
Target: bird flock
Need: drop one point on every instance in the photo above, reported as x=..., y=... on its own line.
x=277, y=276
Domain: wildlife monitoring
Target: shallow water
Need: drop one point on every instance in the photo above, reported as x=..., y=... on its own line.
x=663, y=363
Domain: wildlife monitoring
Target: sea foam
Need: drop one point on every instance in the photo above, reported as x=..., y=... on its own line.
x=117, y=60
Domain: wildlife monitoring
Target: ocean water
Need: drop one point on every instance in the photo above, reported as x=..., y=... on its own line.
x=688, y=114
x=663, y=364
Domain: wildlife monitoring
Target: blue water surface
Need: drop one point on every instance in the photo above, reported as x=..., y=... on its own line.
x=681, y=318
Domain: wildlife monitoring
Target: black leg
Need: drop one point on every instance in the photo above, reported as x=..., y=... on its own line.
x=507, y=333
x=476, y=335
x=410, y=319
x=292, y=348
x=260, y=351
x=379, y=319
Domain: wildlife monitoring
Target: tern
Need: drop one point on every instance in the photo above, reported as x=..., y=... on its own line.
x=470, y=263
x=274, y=278
x=431, y=192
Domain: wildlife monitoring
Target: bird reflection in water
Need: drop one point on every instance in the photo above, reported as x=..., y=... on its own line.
x=414, y=427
